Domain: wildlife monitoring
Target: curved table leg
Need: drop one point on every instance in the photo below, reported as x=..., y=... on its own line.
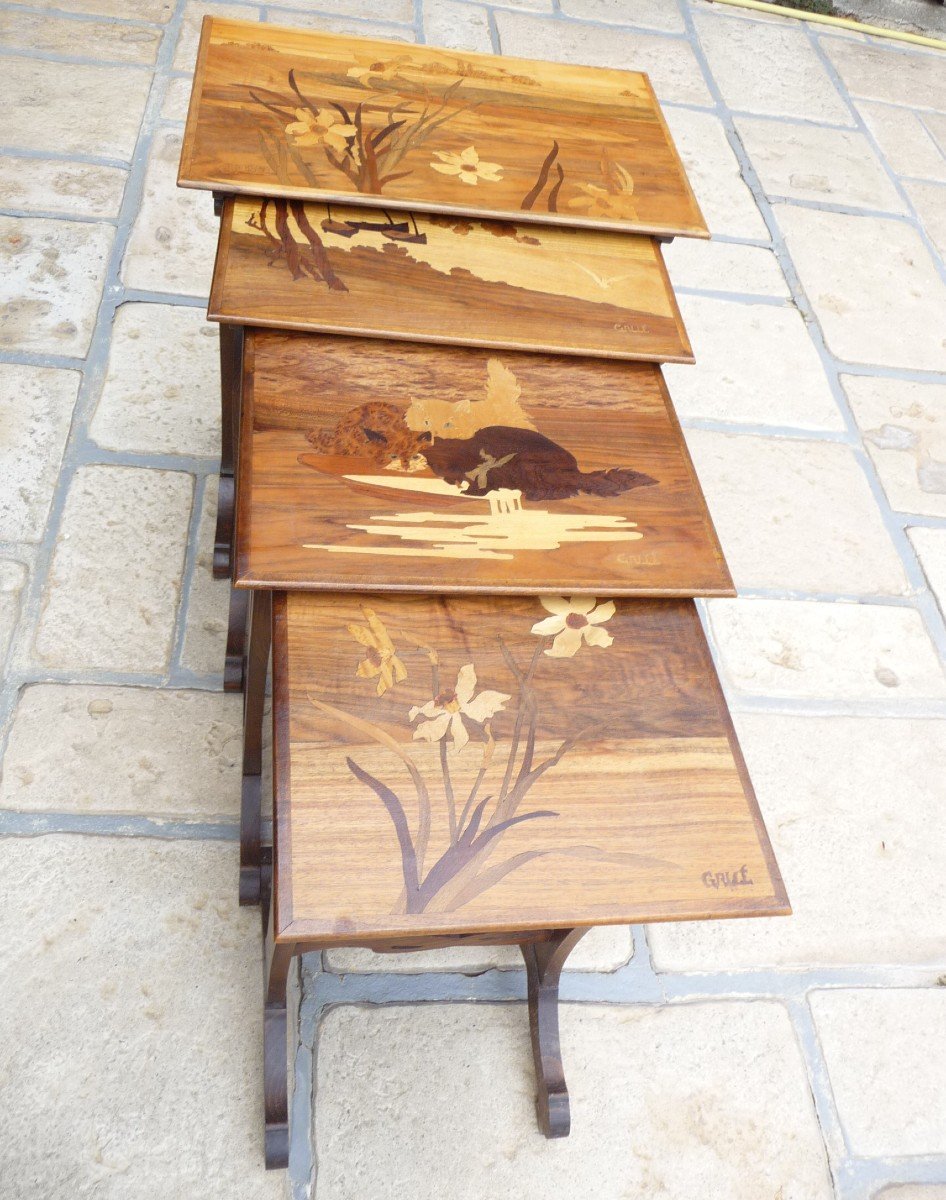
x=544, y=962
x=275, y=1053
x=254, y=696
x=234, y=665
x=231, y=371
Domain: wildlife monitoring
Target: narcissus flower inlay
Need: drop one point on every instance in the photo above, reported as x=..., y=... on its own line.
x=381, y=657
x=574, y=621
x=467, y=166
x=444, y=714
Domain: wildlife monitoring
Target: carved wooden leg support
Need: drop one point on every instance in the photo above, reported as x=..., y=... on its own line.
x=231, y=370
x=234, y=666
x=275, y=1053
x=544, y=962
x=254, y=696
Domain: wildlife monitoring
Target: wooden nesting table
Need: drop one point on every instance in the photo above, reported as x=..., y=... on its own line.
x=457, y=507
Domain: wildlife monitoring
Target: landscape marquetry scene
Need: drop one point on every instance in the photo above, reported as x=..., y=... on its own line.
x=463, y=758
x=337, y=268
x=451, y=469
x=306, y=114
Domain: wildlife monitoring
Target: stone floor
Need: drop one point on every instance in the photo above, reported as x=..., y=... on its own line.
x=800, y=1059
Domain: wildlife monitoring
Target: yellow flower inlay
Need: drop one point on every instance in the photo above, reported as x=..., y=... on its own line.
x=381, y=657
x=573, y=622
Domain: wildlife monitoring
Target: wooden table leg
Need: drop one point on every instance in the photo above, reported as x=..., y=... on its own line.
x=544, y=962
x=275, y=1050
x=254, y=696
x=231, y=372
x=234, y=667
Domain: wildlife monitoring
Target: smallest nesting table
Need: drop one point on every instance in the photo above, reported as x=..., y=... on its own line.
x=497, y=770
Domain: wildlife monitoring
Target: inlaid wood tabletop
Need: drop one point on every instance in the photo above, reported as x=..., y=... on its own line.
x=303, y=114
x=378, y=464
x=467, y=764
x=339, y=269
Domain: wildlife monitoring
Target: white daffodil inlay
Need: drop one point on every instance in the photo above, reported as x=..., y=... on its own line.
x=444, y=714
x=573, y=621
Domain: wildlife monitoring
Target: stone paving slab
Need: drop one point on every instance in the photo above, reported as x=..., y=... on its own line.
x=906, y=140
x=934, y=1191
x=880, y=73
x=811, y=650
x=724, y=266
x=677, y=1102
x=51, y=279
x=778, y=503
x=112, y=591
x=904, y=428
x=457, y=26
x=161, y=385
x=930, y=545
x=754, y=363
x=105, y=40
x=135, y=1076
x=882, y=301
x=63, y=188
x=849, y=803
x=131, y=751
x=12, y=581
x=36, y=405
x=887, y=1057
x=205, y=630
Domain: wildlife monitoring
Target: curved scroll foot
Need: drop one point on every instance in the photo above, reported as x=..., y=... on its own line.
x=544, y=962
x=223, y=535
x=234, y=665
x=276, y=1086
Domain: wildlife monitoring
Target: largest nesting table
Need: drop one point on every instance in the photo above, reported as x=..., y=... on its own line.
x=466, y=523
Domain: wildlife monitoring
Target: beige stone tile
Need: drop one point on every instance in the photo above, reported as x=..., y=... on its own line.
x=873, y=286
x=929, y=200
x=106, y=40
x=458, y=26
x=770, y=68
x=73, y=189
x=141, y=10
x=849, y=804
x=905, y=141
x=72, y=108
x=725, y=267
x=879, y=73
x=174, y=239
x=51, y=278
x=161, y=385
x=335, y=22
x=603, y=949
x=811, y=650
x=671, y=64
x=205, y=631
x=132, y=995
x=12, y=582
x=930, y=546
x=795, y=514
x=935, y=123
x=755, y=363
x=714, y=174
x=112, y=591
x=176, y=99
x=391, y=10
x=742, y=14
x=185, y=53
x=36, y=406
x=914, y=1191
x=649, y=14
x=132, y=751
x=886, y=1058
x=678, y=1101
x=904, y=428
x=805, y=162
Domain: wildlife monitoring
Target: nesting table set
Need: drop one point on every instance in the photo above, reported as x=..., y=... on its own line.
x=457, y=506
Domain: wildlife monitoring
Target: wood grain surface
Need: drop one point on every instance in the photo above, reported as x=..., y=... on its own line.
x=339, y=269
x=477, y=764
x=380, y=464
x=302, y=114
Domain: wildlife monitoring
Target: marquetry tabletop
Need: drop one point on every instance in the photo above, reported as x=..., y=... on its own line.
x=340, y=269
x=378, y=464
x=471, y=764
x=309, y=115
